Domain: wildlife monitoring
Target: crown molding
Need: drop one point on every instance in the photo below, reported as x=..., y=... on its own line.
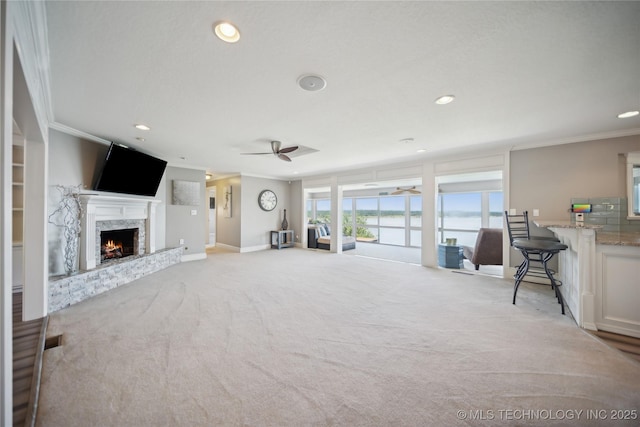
x=582, y=138
x=30, y=33
x=75, y=132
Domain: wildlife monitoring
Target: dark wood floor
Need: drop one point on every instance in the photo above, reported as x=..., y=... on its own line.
x=626, y=344
x=26, y=346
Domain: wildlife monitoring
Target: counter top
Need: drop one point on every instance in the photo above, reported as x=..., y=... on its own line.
x=622, y=238
x=617, y=238
x=566, y=224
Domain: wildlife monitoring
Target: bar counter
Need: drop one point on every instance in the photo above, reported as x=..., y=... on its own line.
x=599, y=272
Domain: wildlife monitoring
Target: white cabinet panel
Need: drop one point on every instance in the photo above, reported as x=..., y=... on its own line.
x=618, y=289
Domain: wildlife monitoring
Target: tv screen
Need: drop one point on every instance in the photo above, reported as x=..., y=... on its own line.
x=130, y=172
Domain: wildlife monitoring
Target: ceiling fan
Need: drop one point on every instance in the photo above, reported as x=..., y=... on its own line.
x=277, y=151
x=411, y=190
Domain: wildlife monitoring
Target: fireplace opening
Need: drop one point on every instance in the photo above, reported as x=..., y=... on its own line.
x=115, y=244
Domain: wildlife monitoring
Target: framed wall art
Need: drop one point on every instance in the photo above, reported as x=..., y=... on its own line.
x=186, y=193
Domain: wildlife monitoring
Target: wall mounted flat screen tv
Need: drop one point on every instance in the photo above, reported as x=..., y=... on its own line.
x=129, y=171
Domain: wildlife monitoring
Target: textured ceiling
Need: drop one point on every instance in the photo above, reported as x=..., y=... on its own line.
x=523, y=73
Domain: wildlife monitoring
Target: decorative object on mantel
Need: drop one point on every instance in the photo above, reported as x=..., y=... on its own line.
x=285, y=223
x=69, y=213
x=186, y=193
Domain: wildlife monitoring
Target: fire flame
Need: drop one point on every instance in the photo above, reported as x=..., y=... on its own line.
x=111, y=246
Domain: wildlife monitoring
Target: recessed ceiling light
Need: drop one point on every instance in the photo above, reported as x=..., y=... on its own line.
x=311, y=82
x=445, y=99
x=407, y=140
x=142, y=127
x=422, y=150
x=141, y=139
x=628, y=114
x=208, y=176
x=226, y=32
x=183, y=158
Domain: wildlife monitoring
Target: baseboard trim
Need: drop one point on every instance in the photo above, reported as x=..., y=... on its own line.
x=255, y=248
x=228, y=247
x=193, y=257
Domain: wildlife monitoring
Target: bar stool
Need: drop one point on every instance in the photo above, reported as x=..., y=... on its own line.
x=541, y=251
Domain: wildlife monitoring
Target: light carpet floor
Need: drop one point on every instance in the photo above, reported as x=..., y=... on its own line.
x=309, y=338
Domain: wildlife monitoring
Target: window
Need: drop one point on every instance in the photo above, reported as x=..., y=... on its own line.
x=391, y=220
x=496, y=209
x=367, y=218
x=323, y=210
x=348, y=228
x=415, y=221
x=461, y=215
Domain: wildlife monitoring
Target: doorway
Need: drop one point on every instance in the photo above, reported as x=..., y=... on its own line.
x=383, y=217
x=465, y=204
x=211, y=194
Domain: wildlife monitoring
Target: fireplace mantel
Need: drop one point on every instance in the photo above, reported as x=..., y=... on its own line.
x=97, y=207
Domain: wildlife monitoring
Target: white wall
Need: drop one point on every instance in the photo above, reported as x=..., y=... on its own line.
x=181, y=223
x=256, y=223
x=547, y=178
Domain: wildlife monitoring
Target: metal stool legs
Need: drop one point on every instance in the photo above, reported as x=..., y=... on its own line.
x=541, y=252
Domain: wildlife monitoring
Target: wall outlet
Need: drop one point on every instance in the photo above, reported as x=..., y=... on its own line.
x=512, y=211
x=194, y=212
x=182, y=241
x=536, y=212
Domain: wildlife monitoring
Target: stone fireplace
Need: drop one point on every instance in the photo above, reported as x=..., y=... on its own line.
x=122, y=225
x=127, y=218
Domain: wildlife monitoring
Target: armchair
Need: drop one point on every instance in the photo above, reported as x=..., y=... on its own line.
x=488, y=248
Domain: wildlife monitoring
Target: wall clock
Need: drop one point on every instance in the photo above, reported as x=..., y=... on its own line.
x=267, y=200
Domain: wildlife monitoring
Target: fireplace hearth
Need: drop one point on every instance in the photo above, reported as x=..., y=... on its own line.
x=116, y=244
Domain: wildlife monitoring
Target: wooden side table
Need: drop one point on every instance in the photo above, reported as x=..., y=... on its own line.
x=282, y=239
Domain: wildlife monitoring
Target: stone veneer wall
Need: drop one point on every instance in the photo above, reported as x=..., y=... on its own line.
x=121, y=225
x=610, y=212
x=68, y=290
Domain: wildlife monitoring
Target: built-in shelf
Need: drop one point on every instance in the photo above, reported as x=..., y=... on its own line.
x=17, y=224
x=18, y=190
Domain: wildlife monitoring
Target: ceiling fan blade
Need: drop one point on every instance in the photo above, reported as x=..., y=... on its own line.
x=288, y=149
x=411, y=190
x=284, y=157
x=252, y=154
x=275, y=146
